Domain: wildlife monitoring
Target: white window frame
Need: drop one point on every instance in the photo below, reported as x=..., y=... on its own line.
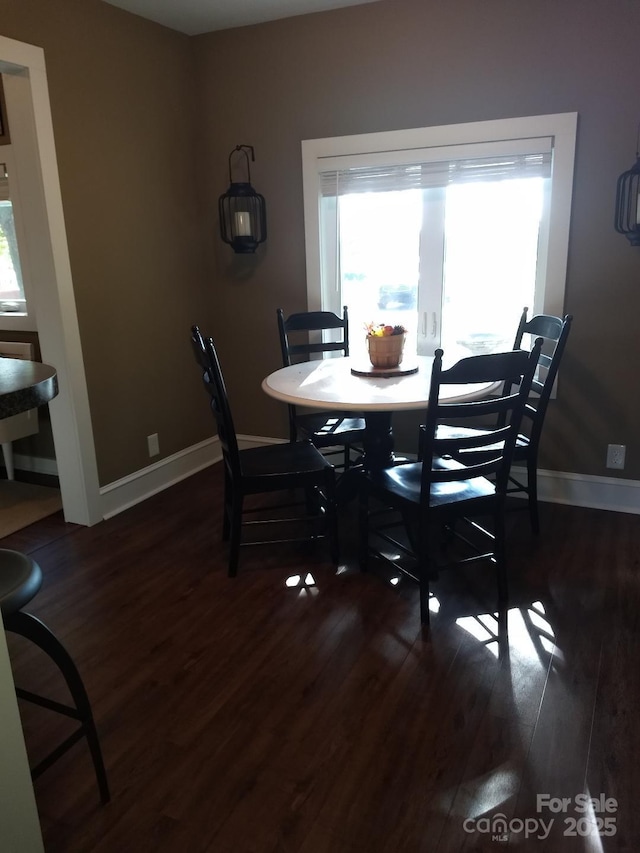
x=23, y=186
x=321, y=155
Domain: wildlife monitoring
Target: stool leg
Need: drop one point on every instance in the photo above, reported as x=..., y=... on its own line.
x=7, y=453
x=33, y=629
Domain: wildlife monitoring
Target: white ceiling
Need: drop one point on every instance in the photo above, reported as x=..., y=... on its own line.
x=203, y=16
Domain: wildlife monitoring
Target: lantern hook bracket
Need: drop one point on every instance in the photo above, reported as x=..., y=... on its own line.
x=243, y=150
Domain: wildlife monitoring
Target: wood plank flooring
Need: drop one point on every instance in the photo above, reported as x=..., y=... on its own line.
x=300, y=709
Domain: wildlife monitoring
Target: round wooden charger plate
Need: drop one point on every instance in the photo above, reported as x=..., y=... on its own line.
x=370, y=370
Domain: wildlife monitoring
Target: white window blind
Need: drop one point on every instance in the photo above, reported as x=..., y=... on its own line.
x=404, y=170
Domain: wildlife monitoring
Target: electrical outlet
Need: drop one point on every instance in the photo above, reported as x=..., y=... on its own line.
x=153, y=444
x=615, y=456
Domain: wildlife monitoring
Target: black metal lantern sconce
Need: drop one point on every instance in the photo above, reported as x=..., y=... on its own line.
x=628, y=201
x=243, y=211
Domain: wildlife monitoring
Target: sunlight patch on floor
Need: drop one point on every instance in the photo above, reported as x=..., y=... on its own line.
x=306, y=585
x=531, y=634
x=483, y=627
x=483, y=794
x=595, y=826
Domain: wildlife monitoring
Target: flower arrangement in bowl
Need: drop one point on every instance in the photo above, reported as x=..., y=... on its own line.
x=385, y=344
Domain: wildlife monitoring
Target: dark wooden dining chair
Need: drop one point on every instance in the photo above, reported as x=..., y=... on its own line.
x=20, y=581
x=324, y=429
x=554, y=332
x=258, y=470
x=414, y=499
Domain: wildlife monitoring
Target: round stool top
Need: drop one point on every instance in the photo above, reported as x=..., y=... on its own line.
x=20, y=580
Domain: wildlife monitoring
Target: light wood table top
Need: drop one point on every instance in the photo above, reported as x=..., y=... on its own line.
x=329, y=384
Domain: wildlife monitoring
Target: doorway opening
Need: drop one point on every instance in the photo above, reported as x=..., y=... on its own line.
x=56, y=323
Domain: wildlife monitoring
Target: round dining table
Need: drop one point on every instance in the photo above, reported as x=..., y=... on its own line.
x=330, y=384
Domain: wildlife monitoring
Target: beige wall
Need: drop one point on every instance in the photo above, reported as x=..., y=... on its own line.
x=145, y=118
x=124, y=119
x=410, y=63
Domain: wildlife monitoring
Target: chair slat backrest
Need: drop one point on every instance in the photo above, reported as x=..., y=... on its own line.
x=298, y=326
x=554, y=331
x=207, y=357
x=505, y=410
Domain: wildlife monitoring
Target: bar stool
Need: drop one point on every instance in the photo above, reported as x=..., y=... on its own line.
x=20, y=580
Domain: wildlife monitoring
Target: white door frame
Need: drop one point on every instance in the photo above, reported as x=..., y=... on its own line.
x=57, y=320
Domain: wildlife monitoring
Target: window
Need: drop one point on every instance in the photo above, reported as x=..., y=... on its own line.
x=450, y=231
x=12, y=299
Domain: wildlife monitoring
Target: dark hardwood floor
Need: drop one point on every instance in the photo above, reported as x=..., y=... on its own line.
x=300, y=709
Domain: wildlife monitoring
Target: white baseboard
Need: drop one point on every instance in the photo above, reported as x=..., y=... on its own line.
x=609, y=493
x=36, y=464
x=614, y=494
x=137, y=487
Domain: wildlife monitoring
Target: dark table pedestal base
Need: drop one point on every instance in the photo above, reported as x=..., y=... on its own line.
x=378, y=454
x=378, y=441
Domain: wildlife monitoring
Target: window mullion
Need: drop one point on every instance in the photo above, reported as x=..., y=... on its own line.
x=431, y=270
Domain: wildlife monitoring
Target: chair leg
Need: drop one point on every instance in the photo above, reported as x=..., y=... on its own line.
x=33, y=629
x=313, y=499
x=293, y=431
x=235, y=533
x=425, y=614
x=226, y=517
x=500, y=557
x=332, y=517
x=363, y=528
x=532, y=491
x=424, y=569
